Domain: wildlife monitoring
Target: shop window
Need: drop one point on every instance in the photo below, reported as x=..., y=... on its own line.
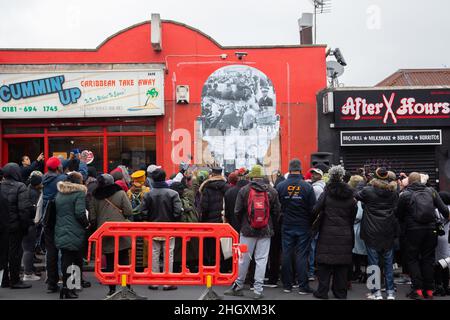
x=132, y=152
x=74, y=128
x=30, y=147
x=143, y=128
x=19, y=130
x=63, y=147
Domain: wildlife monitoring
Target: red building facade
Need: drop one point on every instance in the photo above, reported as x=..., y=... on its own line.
x=291, y=74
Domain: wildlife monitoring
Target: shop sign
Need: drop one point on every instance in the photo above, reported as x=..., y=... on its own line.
x=392, y=108
x=82, y=94
x=390, y=138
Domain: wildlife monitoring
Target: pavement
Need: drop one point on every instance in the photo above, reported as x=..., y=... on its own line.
x=98, y=292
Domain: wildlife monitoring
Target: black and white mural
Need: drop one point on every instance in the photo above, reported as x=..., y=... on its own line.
x=239, y=119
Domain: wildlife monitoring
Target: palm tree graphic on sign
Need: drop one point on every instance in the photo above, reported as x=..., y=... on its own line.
x=151, y=94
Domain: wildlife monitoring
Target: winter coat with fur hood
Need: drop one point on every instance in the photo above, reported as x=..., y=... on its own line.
x=211, y=201
x=71, y=219
x=101, y=211
x=337, y=209
x=379, y=225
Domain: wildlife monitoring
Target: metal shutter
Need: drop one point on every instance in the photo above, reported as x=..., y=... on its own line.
x=396, y=158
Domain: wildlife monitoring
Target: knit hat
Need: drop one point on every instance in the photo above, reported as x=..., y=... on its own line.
x=242, y=172
x=53, y=163
x=105, y=180
x=35, y=180
x=233, y=178
x=336, y=173
x=117, y=174
x=256, y=172
x=381, y=173
x=202, y=175
x=295, y=165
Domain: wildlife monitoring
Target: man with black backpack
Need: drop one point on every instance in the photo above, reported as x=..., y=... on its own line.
x=257, y=207
x=416, y=209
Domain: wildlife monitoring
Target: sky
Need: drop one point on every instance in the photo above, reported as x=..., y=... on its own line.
x=376, y=37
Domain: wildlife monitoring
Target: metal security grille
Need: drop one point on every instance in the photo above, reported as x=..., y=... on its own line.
x=396, y=158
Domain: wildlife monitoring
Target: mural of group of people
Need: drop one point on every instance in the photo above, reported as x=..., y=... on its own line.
x=239, y=118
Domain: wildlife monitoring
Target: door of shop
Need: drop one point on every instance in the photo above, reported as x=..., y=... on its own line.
x=396, y=158
x=16, y=148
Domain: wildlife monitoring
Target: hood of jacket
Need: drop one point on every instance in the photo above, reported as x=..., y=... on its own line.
x=320, y=183
x=383, y=187
x=216, y=182
x=339, y=190
x=258, y=186
x=12, y=171
x=49, y=177
x=66, y=187
x=101, y=193
x=416, y=187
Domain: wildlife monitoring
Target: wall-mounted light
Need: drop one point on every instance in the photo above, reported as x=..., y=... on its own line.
x=240, y=55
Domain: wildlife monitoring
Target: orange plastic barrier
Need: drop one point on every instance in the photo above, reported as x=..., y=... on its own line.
x=127, y=274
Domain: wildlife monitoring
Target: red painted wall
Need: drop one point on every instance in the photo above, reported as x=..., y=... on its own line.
x=297, y=72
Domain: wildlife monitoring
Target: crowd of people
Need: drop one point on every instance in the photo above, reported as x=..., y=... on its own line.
x=322, y=223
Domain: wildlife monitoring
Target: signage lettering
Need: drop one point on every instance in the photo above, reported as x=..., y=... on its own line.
x=372, y=108
x=393, y=137
x=40, y=87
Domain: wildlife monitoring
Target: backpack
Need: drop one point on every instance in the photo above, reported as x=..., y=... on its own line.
x=422, y=205
x=258, y=209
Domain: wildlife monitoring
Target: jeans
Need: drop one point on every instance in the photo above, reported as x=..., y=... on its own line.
x=295, y=239
x=374, y=260
x=28, y=245
x=312, y=256
x=259, y=247
x=158, y=248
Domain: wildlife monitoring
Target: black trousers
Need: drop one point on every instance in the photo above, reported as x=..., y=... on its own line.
x=51, y=257
x=339, y=286
x=14, y=253
x=67, y=259
x=404, y=254
x=441, y=276
x=421, y=255
x=275, y=257
x=124, y=259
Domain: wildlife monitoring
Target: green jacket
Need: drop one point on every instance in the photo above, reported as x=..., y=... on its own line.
x=71, y=219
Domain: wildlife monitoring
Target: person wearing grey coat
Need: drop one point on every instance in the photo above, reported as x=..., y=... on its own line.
x=110, y=203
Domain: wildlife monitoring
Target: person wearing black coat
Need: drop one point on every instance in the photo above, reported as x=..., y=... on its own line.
x=28, y=167
x=15, y=193
x=212, y=193
x=379, y=226
x=421, y=238
x=4, y=222
x=335, y=214
x=230, y=202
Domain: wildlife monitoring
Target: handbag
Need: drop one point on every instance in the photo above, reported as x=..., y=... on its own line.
x=227, y=247
x=112, y=204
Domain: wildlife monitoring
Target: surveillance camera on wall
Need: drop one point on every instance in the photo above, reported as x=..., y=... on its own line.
x=240, y=55
x=339, y=57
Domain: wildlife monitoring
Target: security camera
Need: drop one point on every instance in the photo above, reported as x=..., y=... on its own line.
x=240, y=55
x=339, y=57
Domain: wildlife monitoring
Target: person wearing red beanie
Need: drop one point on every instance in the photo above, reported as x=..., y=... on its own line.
x=53, y=163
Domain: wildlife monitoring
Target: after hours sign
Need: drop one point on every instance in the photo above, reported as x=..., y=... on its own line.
x=392, y=108
x=81, y=94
